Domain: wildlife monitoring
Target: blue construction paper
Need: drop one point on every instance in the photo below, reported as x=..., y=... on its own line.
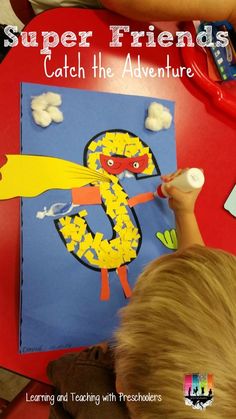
x=60, y=298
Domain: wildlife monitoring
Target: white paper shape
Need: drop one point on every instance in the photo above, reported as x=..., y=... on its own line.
x=230, y=204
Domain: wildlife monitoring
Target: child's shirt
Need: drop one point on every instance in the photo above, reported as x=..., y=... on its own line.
x=84, y=378
x=41, y=5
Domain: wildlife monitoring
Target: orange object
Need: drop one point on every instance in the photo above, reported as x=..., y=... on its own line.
x=122, y=273
x=88, y=195
x=105, y=288
x=140, y=199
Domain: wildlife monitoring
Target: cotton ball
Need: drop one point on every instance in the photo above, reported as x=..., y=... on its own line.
x=53, y=99
x=153, y=124
x=159, y=117
x=39, y=103
x=55, y=113
x=155, y=109
x=166, y=119
x=42, y=118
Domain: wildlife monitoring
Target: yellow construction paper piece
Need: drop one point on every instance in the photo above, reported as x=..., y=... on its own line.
x=108, y=143
x=65, y=232
x=71, y=246
x=73, y=228
x=119, y=221
x=117, y=228
x=92, y=146
x=132, y=254
x=29, y=176
x=126, y=246
x=80, y=252
x=122, y=234
x=129, y=235
x=113, y=205
x=106, y=151
x=126, y=218
x=76, y=236
x=120, y=149
x=93, y=161
x=97, y=240
x=134, y=140
x=110, y=135
x=83, y=246
x=115, y=243
x=107, y=195
x=65, y=220
x=117, y=189
x=145, y=150
x=128, y=223
x=124, y=197
x=88, y=239
x=93, y=157
x=121, y=209
x=83, y=213
x=114, y=254
x=110, y=212
x=78, y=221
x=104, y=186
x=149, y=170
x=90, y=258
x=105, y=246
x=62, y=221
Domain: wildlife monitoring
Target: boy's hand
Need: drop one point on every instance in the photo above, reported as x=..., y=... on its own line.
x=180, y=202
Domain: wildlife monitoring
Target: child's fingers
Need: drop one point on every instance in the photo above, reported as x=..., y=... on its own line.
x=176, y=173
x=180, y=196
x=170, y=176
x=175, y=193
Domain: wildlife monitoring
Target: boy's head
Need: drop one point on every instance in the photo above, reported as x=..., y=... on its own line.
x=181, y=320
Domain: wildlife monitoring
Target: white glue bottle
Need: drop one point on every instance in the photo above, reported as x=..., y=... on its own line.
x=187, y=181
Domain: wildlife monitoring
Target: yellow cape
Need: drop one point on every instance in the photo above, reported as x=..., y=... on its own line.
x=29, y=176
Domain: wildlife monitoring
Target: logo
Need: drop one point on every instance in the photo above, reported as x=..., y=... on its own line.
x=198, y=390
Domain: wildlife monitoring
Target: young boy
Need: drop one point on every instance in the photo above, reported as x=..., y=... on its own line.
x=161, y=10
x=136, y=9
x=181, y=319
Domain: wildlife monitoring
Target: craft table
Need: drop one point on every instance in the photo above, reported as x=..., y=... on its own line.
x=205, y=136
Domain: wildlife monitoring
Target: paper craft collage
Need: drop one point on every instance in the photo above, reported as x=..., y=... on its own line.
x=85, y=237
x=96, y=108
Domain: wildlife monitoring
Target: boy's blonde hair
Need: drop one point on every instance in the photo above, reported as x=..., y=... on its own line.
x=181, y=320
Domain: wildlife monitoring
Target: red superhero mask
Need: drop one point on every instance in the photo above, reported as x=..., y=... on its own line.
x=117, y=165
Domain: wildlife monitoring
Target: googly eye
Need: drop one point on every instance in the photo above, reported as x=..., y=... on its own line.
x=110, y=162
x=136, y=165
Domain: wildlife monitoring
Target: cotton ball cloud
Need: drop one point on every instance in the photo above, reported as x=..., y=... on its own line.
x=42, y=118
x=55, y=114
x=53, y=99
x=45, y=109
x=159, y=117
x=38, y=103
